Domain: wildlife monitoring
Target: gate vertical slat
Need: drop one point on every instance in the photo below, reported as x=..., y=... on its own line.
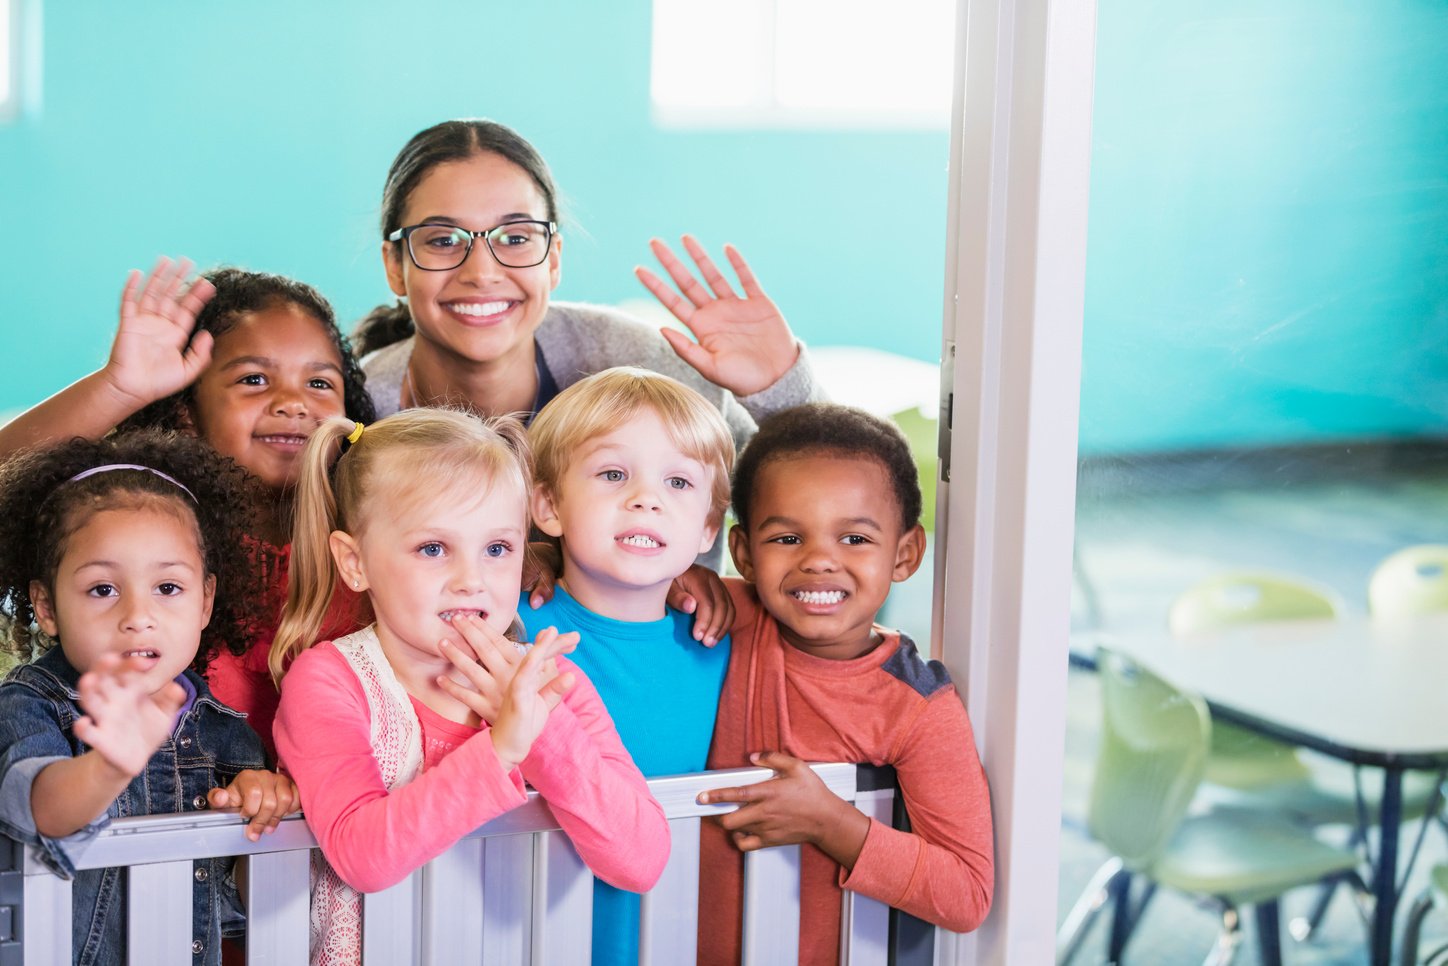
x=45, y=920
x=865, y=922
x=452, y=903
x=278, y=898
x=562, y=903
x=669, y=925
x=771, y=906
x=508, y=893
x=389, y=924
x=159, y=913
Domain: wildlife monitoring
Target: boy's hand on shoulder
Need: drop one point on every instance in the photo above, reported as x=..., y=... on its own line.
x=264, y=797
x=154, y=353
x=792, y=808
x=123, y=722
x=542, y=563
x=701, y=592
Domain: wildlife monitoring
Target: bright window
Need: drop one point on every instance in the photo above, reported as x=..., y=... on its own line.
x=802, y=63
x=7, y=59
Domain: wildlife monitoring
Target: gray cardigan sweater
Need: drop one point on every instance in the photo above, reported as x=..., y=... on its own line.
x=577, y=340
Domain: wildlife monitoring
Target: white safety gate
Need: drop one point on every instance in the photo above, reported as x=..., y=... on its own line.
x=514, y=891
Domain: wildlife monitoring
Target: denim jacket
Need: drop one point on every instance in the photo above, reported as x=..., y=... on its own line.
x=210, y=745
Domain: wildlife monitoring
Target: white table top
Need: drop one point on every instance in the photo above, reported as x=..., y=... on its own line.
x=1375, y=686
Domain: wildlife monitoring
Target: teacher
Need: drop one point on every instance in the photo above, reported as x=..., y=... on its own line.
x=471, y=243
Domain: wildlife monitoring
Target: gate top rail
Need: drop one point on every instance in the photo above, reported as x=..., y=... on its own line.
x=148, y=839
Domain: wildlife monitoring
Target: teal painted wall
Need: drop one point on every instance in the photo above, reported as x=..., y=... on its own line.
x=1268, y=258
x=1268, y=241
x=259, y=133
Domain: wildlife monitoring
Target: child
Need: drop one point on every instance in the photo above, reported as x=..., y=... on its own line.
x=121, y=551
x=828, y=508
x=249, y=362
x=633, y=476
x=407, y=735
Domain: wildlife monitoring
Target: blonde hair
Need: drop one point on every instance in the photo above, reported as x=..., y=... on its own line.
x=597, y=405
x=406, y=458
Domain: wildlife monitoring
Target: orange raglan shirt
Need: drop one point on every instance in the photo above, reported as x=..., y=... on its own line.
x=888, y=707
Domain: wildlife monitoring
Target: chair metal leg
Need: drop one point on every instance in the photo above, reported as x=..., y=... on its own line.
x=1121, y=918
x=1269, y=935
x=1079, y=920
x=1228, y=939
x=1413, y=929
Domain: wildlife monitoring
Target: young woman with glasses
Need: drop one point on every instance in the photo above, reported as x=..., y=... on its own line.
x=471, y=240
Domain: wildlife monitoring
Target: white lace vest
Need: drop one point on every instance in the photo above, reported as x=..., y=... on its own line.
x=336, y=934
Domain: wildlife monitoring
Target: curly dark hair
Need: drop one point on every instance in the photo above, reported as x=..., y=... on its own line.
x=829, y=429
x=42, y=506
x=239, y=291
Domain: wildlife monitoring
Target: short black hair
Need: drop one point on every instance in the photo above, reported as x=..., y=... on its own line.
x=42, y=505
x=829, y=429
x=238, y=292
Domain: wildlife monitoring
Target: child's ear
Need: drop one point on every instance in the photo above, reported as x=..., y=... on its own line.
x=348, y=559
x=392, y=263
x=545, y=513
x=711, y=533
x=908, y=553
x=739, y=550
x=208, y=599
x=44, y=608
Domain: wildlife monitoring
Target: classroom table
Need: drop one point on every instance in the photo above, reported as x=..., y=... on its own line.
x=1373, y=692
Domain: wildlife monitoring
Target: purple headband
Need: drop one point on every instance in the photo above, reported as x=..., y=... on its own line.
x=111, y=467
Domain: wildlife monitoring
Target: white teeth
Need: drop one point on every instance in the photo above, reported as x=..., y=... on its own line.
x=141, y=653
x=819, y=596
x=639, y=540
x=474, y=309
x=448, y=615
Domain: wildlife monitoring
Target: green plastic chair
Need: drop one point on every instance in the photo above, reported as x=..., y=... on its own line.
x=1410, y=582
x=1154, y=748
x=1433, y=897
x=1241, y=759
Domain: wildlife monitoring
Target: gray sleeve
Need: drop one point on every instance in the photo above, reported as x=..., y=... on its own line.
x=18, y=819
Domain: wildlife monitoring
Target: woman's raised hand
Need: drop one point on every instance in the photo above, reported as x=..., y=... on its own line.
x=744, y=344
x=154, y=353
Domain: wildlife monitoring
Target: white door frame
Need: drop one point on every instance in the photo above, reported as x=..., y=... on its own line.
x=1015, y=288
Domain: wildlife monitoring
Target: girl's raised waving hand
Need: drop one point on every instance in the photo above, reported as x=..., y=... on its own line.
x=744, y=344
x=153, y=355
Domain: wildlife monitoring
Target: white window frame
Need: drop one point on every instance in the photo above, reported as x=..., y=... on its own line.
x=1015, y=292
x=19, y=57
x=763, y=108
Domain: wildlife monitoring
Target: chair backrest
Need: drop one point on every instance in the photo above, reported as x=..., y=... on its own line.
x=1411, y=581
x=1154, y=741
x=1247, y=598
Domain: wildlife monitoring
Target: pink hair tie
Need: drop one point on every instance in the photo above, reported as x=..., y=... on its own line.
x=111, y=467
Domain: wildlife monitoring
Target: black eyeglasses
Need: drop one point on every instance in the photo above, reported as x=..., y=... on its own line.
x=514, y=244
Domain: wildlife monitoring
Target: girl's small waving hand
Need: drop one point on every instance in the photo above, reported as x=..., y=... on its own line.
x=744, y=343
x=123, y=721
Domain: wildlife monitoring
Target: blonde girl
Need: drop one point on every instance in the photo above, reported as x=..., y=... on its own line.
x=410, y=733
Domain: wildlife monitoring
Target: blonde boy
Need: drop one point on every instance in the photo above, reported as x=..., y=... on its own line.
x=632, y=476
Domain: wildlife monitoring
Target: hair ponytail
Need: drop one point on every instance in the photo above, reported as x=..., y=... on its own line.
x=381, y=327
x=313, y=573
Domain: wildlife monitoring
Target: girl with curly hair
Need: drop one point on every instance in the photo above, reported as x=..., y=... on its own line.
x=122, y=553
x=249, y=362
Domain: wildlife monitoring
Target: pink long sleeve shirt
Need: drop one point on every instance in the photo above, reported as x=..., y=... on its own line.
x=374, y=837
